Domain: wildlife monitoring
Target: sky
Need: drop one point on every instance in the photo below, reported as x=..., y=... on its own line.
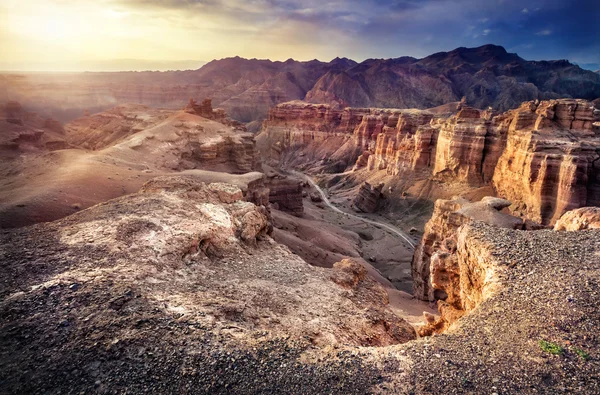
x=76, y=35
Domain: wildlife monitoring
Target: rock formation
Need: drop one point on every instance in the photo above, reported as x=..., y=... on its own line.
x=543, y=156
x=285, y=194
x=178, y=265
x=24, y=131
x=206, y=110
x=579, y=219
x=179, y=139
x=551, y=161
x=368, y=197
x=434, y=261
x=182, y=280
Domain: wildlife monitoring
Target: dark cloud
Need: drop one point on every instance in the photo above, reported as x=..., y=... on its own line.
x=536, y=29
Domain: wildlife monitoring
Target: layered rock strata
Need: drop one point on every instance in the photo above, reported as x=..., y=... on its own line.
x=543, y=156
x=368, y=197
x=551, y=163
x=285, y=194
x=179, y=140
x=436, y=251
x=24, y=131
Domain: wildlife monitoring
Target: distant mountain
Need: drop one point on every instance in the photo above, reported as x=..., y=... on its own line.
x=486, y=76
x=247, y=88
x=589, y=66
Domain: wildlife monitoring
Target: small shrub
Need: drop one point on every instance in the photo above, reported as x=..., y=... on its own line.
x=551, y=348
x=584, y=355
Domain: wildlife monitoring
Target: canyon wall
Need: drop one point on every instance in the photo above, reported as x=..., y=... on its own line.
x=436, y=251
x=24, y=131
x=543, y=156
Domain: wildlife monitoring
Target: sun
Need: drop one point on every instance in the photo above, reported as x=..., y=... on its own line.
x=48, y=27
x=55, y=28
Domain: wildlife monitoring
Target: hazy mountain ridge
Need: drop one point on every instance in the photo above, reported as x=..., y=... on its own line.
x=247, y=88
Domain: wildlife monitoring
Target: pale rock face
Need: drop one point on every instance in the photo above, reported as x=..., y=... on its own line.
x=227, y=193
x=579, y=219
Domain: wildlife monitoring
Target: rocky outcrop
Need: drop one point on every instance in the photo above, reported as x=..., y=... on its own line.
x=133, y=284
x=205, y=110
x=368, y=197
x=285, y=194
x=179, y=140
x=543, y=156
x=252, y=185
x=434, y=263
x=551, y=163
x=579, y=219
x=25, y=131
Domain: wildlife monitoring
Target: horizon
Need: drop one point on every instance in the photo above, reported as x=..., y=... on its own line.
x=168, y=66
x=155, y=35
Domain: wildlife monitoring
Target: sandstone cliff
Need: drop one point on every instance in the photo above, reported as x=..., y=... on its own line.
x=436, y=251
x=543, y=156
x=551, y=161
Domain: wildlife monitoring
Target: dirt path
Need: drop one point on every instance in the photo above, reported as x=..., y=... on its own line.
x=388, y=227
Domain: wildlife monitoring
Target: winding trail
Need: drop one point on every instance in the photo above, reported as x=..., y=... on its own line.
x=390, y=228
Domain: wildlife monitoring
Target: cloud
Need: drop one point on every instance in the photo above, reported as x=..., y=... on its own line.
x=307, y=29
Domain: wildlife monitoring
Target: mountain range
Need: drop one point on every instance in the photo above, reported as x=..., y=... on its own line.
x=248, y=88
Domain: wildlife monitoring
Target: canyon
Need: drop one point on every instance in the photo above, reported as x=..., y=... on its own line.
x=544, y=156
x=182, y=279
x=540, y=160
x=49, y=172
x=175, y=242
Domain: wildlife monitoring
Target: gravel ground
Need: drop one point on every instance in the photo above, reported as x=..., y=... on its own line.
x=76, y=316
x=550, y=293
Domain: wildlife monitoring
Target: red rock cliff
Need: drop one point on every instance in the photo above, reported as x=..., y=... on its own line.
x=543, y=156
